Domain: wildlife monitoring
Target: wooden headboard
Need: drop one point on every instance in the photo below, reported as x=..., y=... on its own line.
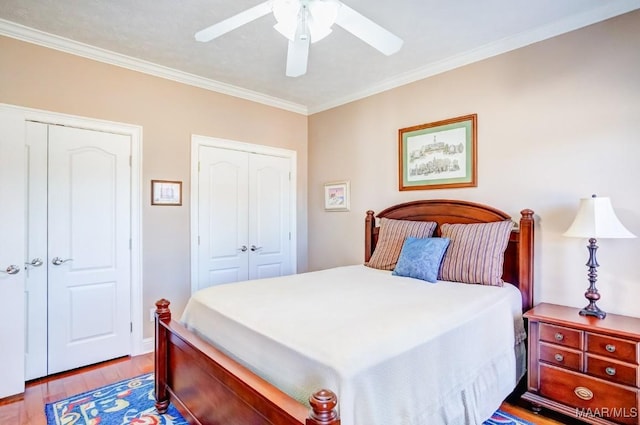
x=518, y=258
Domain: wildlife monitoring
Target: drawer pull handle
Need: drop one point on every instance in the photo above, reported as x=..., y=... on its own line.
x=559, y=357
x=610, y=348
x=559, y=336
x=583, y=393
x=611, y=371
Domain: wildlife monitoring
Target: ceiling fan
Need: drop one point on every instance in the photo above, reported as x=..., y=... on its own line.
x=308, y=21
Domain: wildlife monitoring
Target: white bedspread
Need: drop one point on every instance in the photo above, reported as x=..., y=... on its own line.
x=397, y=351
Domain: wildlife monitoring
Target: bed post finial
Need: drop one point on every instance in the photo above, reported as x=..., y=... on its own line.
x=162, y=310
x=323, y=408
x=369, y=225
x=527, y=214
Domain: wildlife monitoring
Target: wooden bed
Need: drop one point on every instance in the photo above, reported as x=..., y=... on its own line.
x=208, y=387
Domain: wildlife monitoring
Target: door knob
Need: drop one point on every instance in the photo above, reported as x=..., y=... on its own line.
x=255, y=248
x=36, y=262
x=12, y=269
x=58, y=261
x=243, y=248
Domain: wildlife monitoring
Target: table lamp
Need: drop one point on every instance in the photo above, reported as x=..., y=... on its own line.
x=595, y=219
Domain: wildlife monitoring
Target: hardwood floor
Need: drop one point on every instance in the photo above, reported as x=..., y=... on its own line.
x=29, y=410
x=521, y=410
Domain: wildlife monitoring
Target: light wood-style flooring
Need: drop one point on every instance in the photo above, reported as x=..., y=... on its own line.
x=29, y=410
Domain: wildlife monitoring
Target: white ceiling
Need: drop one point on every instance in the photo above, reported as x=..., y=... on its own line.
x=156, y=36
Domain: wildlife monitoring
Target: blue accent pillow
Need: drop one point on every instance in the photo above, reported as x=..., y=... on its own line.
x=420, y=258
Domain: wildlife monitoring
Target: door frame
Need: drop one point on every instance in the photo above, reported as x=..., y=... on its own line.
x=196, y=142
x=135, y=133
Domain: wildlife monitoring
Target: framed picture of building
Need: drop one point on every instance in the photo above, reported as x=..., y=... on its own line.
x=438, y=155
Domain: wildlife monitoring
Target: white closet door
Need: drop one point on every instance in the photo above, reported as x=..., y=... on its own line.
x=36, y=255
x=89, y=247
x=222, y=216
x=269, y=216
x=12, y=249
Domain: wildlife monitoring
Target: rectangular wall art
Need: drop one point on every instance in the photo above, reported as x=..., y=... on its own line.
x=166, y=192
x=438, y=155
x=336, y=196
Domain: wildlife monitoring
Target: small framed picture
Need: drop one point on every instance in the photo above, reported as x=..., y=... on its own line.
x=336, y=196
x=166, y=192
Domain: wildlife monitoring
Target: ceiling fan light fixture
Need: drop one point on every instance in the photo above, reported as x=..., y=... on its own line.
x=322, y=14
x=316, y=15
x=286, y=13
x=286, y=29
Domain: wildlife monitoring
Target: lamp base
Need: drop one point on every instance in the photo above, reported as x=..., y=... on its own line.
x=593, y=310
x=592, y=294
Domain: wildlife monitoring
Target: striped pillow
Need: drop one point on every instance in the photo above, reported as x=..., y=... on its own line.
x=476, y=252
x=391, y=237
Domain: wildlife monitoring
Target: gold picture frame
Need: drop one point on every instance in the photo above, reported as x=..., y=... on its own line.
x=438, y=155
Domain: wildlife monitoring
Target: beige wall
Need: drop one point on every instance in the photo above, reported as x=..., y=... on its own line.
x=557, y=121
x=169, y=113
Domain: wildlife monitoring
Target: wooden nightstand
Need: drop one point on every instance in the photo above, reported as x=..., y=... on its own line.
x=584, y=367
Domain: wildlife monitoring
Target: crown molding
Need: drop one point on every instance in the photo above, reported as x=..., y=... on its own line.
x=609, y=10
x=30, y=35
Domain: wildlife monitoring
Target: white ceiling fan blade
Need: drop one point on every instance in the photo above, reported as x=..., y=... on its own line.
x=368, y=31
x=297, y=57
x=229, y=24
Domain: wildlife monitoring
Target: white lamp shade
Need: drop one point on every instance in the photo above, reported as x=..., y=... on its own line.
x=596, y=219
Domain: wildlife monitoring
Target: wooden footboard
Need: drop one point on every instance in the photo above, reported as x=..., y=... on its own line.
x=210, y=388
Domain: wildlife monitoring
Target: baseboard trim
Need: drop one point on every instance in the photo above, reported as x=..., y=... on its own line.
x=145, y=347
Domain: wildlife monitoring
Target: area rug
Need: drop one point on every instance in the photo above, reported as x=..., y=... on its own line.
x=131, y=402
x=503, y=418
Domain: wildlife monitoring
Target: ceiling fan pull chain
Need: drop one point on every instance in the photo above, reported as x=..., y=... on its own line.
x=302, y=32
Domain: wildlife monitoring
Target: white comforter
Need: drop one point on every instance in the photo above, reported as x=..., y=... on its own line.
x=397, y=351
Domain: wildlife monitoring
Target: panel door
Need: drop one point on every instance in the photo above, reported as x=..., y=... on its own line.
x=269, y=216
x=12, y=251
x=36, y=254
x=88, y=247
x=222, y=217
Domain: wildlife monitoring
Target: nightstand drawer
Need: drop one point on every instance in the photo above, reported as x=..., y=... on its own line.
x=561, y=336
x=623, y=373
x=561, y=356
x=616, y=348
x=584, y=392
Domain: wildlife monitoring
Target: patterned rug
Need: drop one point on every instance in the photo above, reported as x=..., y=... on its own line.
x=131, y=402
x=503, y=418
